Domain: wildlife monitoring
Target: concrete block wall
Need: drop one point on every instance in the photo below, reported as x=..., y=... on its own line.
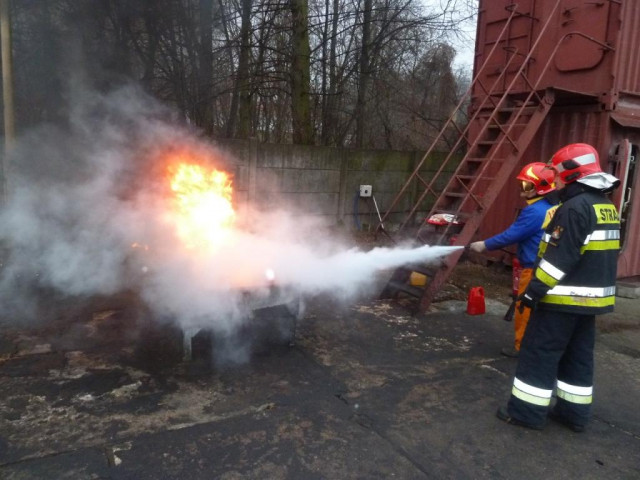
x=324, y=182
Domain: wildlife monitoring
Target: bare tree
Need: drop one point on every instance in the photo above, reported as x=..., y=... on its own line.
x=364, y=73
x=300, y=76
x=204, y=110
x=241, y=101
x=368, y=73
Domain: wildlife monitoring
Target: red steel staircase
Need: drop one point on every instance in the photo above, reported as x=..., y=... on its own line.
x=504, y=118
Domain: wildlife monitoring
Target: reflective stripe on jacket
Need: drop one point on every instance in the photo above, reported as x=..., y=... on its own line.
x=577, y=259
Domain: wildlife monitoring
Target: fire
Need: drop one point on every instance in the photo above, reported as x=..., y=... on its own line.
x=202, y=204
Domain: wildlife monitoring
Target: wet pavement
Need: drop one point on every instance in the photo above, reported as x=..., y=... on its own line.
x=366, y=392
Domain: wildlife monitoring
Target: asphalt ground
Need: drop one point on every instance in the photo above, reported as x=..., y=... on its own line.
x=367, y=391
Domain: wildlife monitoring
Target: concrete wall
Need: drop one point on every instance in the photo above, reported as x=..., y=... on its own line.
x=324, y=181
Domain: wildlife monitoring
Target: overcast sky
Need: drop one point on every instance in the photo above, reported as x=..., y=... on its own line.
x=465, y=45
x=465, y=49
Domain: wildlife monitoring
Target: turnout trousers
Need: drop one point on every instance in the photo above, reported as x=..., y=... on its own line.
x=556, y=351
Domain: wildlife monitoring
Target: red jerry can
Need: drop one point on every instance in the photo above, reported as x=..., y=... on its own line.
x=475, y=301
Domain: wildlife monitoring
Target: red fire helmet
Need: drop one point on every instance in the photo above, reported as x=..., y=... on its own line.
x=539, y=175
x=575, y=161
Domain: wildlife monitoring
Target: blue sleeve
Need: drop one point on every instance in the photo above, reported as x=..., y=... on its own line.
x=526, y=225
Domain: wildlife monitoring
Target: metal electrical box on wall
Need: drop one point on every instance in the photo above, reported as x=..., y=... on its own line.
x=365, y=190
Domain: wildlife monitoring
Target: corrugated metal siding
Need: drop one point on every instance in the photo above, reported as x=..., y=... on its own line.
x=627, y=69
x=565, y=126
x=561, y=127
x=597, y=84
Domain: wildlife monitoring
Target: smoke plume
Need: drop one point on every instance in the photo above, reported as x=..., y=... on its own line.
x=86, y=215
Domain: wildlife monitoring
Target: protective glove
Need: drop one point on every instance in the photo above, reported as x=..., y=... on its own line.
x=478, y=247
x=526, y=301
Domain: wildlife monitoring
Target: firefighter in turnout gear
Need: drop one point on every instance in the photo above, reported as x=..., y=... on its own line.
x=574, y=280
x=536, y=181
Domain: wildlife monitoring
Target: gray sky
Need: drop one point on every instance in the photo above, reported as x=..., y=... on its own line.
x=464, y=45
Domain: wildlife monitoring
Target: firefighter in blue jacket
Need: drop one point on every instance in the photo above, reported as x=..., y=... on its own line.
x=573, y=281
x=536, y=181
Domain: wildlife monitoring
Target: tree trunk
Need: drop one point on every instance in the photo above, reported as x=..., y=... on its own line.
x=365, y=73
x=150, y=18
x=241, y=100
x=325, y=60
x=328, y=112
x=300, y=76
x=205, y=70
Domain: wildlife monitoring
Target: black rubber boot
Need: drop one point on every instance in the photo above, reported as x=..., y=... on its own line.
x=503, y=415
x=556, y=417
x=510, y=352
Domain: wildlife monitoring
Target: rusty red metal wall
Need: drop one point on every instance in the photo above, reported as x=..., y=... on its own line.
x=568, y=125
x=588, y=47
x=591, y=51
x=562, y=126
x=627, y=65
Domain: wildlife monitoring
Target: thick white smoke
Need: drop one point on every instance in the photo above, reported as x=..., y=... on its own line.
x=81, y=197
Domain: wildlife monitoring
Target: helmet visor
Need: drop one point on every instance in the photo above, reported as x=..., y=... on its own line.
x=526, y=186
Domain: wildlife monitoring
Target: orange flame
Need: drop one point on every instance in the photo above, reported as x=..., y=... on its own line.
x=202, y=202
